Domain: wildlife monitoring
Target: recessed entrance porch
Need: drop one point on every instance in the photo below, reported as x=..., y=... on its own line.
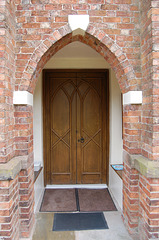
x=80, y=56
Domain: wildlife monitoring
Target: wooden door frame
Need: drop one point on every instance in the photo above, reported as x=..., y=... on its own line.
x=46, y=155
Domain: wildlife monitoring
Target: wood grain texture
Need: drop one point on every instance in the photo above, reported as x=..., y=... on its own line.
x=75, y=106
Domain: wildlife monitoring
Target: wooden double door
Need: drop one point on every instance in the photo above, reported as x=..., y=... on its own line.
x=75, y=126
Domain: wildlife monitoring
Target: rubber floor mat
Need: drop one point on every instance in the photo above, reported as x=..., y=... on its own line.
x=79, y=221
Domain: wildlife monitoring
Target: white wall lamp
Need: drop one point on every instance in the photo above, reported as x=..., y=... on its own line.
x=22, y=98
x=132, y=97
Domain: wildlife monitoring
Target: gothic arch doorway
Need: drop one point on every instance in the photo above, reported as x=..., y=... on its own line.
x=90, y=60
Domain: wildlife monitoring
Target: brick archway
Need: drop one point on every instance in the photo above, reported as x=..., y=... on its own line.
x=35, y=62
x=93, y=37
x=125, y=33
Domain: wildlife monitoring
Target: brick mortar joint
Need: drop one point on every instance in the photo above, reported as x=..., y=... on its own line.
x=146, y=167
x=9, y=170
x=64, y=29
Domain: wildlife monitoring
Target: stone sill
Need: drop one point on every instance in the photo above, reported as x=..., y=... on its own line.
x=9, y=170
x=148, y=168
x=36, y=174
x=119, y=172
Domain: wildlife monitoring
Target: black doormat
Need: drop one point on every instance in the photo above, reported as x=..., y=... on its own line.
x=79, y=221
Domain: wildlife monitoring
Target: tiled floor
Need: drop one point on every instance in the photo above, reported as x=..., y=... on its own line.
x=116, y=231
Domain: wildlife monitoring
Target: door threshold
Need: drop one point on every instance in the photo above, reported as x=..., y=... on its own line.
x=91, y=186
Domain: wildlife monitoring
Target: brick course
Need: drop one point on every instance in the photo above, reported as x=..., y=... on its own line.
x=121, y=30
x=26, y=201
x=7, y=63
x=9, y=210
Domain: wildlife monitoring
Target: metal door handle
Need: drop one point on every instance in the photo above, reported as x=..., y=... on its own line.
x=81, y=140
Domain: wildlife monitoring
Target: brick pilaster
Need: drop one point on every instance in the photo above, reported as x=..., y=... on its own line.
x=7, y=67
x=9, y=209
x=23, y=130
x=149, y=208
x=26, y=199
x=130, y=196
x=150, y=88
x=24, y=146
x=132, y=128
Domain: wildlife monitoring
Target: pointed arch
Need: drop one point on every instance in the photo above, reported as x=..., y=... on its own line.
x=95, y=38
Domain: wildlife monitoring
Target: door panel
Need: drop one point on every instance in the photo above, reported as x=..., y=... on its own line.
x=63, y=124
x=89, y=153
x=75, y=134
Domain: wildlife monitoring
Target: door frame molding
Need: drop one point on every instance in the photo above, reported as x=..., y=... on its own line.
x=105, y=117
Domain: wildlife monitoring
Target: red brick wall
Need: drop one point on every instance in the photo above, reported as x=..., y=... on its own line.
x=132, y=128
x=148, y=218
x=155, y=78
x=38, y=24
x=23, y=130
x=125, y=33
x=149, y=208
x=146, y=49
x=131, y=197
x=17, y=205
x=42, y=29
x=9, y=209
x=26, y=200
x=149, y=57
x=7, y=68
x=140, y=203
